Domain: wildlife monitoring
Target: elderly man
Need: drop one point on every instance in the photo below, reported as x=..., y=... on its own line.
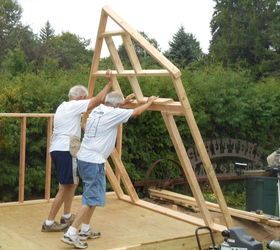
x=67, y=124
x=98, y=143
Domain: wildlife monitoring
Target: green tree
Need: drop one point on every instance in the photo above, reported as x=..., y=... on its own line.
x=46, y=33
x=184, y=48
x=246, y=32
x=70, y=50
x=15, y=62
x=10, y=14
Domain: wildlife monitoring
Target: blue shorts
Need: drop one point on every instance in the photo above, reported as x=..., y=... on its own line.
x=65, y=167
x=94, y=183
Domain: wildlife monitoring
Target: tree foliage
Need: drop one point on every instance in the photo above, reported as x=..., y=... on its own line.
x=38, y=70
x=10, y=14
x=246, y=33
x=184, y=48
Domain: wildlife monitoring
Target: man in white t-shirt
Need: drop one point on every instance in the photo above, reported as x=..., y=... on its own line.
x=67, y=123
x=98, y=143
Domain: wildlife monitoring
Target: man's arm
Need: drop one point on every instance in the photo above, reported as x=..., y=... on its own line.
x=139, y=110
x=99, y=98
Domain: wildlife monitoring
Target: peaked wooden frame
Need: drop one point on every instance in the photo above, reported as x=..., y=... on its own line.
x=168, y=109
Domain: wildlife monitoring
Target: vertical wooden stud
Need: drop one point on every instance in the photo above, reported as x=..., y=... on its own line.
x=22, y=159
x=48, y=160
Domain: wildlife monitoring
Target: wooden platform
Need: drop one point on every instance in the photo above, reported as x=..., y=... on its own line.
x=123, y=226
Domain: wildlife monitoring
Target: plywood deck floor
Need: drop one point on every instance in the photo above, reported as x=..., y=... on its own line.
x=121, y=224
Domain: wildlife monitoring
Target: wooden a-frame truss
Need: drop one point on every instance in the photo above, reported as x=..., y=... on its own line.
x=168, y=109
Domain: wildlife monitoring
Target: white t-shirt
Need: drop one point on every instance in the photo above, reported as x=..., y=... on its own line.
x=67, y=121
x=101, y=133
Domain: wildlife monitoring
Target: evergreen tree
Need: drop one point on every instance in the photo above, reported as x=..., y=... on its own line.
x=184, y=48
x=46, y=33
x=246, y=32
x=10, y=14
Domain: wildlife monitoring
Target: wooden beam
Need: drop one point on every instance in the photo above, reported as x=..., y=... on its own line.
x=174, y=108
x=174, y=214
x=143, y=72
x=202, y=149
x=185, y=200
x=115, y=85
x=48, y=160
x=97, y=52
x=187, y=167
x=114, y=54
x=119, y=148
x=136, y=88
x=113, y=180
x=131, y=53
x=22, y=160
x=159, y=100
x=124, y=176
x=159, y=57
x=112, y=33
x=25, y=115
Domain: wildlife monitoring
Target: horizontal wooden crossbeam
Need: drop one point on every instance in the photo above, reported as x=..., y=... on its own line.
x=149, y=72
x=174, y=108
x=113, y=33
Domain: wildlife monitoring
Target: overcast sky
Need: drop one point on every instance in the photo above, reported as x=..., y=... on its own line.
x=158, y=19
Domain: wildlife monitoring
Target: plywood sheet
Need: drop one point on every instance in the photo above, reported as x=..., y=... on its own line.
x=121, y=224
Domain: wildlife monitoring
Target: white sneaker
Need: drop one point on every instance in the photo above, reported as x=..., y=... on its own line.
x=74, y=241
x=89, y=235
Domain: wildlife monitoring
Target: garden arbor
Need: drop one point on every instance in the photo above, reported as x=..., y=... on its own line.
x=168, y=109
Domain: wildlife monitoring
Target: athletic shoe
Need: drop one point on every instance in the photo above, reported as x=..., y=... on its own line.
x=89, y=235
x=55, y=227
x=74, y=241
x=68, y=221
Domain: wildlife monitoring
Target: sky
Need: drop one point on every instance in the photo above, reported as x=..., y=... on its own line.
x=158, y=19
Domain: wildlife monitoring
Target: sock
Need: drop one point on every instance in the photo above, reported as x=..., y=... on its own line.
x=49, y=222
x=66, y=216
x=85, y=227
x=71, y=231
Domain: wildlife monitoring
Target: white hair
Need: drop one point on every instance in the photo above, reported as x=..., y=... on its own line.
x=114, y=98
x=78, y=91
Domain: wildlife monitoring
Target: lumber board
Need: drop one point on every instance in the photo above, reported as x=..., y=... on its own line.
x=174, y=108
x=48, y=160
x=97, y=52
x=114, y=54
x=159, y=57
x=187, y=200
x=26, y=115
x=113, y=33
x=159, y=100
x=136, y=88
x=22, y=159
x=174, y=214
x=202, y=150
x=119, y=148
x=113, y=180
x=187, y=167
x=143, y=72
x=124, y=176
x=131, y=53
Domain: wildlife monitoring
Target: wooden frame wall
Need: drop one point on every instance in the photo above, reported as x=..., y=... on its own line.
x=22, y=158
x=166, y=106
